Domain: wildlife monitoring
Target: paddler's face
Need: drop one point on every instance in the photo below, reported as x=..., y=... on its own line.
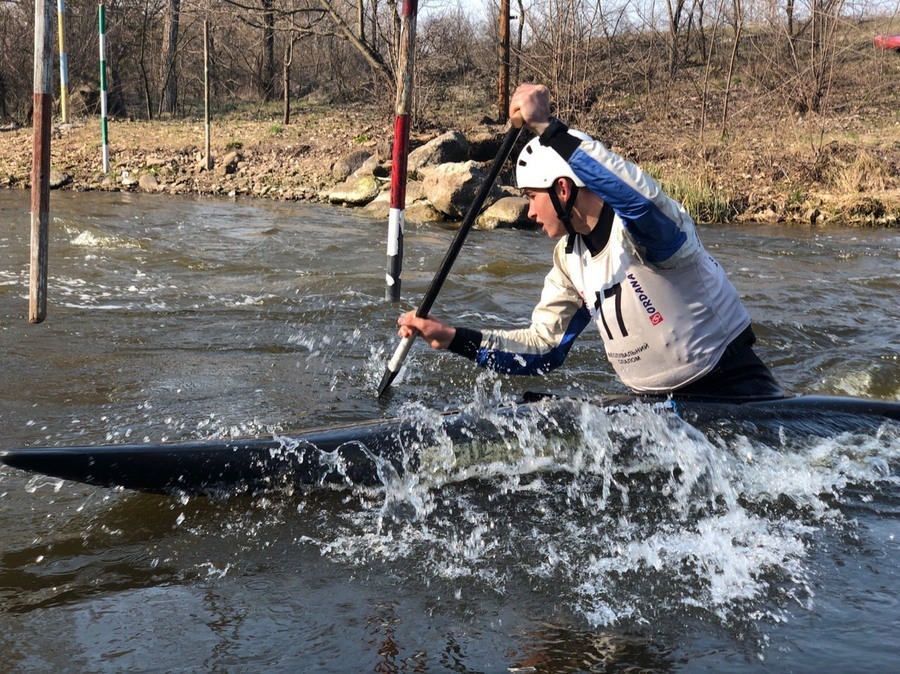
x=541, y=210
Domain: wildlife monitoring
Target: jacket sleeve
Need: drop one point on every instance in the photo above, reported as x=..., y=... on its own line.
x=659, y=226
x=556, y=322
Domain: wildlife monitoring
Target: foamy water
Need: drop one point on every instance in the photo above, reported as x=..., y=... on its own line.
x=637, y=541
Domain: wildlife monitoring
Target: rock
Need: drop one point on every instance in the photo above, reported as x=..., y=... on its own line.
x=449, y=147
x=58, y=179
x=356, y=191
x=505, y=212
x=422, y=211
x=229, y=164
x=452, y=187
x=380, y=206
x=417, y=209
x=415, y=190
x=347, y=165
x=148, y=183
x=367, y=168
x=155, y=162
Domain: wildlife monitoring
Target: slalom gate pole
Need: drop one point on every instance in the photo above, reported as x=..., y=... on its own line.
x=402, y=109
x=40, y=164
x=63, y=61
x=208, y=160
x=104, y=131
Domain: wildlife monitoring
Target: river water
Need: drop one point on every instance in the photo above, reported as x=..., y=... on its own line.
x=182, y=318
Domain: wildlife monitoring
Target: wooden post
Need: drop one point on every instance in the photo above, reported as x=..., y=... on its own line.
x=206, y=91
x=402, y=109
x=104, y=131
x=63, y=61
x=40, y=165
x=503, y=83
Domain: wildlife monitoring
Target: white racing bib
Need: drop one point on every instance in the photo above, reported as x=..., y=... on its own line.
x=662, y=328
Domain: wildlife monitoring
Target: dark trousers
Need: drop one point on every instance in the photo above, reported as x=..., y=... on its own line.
x=739, y=374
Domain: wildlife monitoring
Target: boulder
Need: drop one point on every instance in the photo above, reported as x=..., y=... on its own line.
x=452, y=187
x=347, y=165
x=505, y=212
x=422, y=211
x=417, y=210
x=449, y=147
x=355, y=191
x=229, y=164
x=380, y=206
x=58, y=178
x=148, y=182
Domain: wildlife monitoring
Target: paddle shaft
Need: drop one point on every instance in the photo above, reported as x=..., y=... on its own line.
x=452, y=253
x=468, y=222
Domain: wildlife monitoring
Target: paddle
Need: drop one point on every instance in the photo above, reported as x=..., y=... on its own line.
x=437, y=282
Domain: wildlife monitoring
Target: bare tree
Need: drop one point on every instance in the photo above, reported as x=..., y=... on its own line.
x=168, y=100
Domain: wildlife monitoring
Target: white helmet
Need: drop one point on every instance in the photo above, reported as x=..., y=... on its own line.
x=539, y=165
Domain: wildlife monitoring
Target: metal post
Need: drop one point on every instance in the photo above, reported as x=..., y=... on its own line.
x=63, y=61
x=206, y=91
x=40, y=166
x=503, y=83
x=402, y=109
x=104, y=132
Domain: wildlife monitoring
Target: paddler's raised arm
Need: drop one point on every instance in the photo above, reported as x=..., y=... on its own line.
x=654, y=221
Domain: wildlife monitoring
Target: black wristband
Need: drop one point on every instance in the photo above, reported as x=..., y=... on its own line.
x=466, y=343
x=555, y=128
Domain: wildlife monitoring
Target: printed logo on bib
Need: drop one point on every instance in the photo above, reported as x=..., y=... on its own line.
x=655, y=317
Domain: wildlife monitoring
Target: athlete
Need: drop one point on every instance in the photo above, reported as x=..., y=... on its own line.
x=629, y=259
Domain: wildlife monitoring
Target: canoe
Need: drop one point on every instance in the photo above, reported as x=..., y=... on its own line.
x=374, y=453
x=888, y=42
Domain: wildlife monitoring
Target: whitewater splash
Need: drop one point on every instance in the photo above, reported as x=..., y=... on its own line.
x=642, y=518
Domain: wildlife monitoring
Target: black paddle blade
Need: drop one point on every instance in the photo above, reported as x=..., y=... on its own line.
x=386, y=380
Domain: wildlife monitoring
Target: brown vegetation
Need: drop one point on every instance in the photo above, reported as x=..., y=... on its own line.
x=745, y=111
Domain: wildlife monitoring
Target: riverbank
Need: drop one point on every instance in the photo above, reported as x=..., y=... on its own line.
x=842, y=169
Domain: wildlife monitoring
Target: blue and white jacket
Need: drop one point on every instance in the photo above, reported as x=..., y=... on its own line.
x=663, y=305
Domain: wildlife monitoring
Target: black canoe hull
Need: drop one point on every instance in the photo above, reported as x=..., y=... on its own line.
x=367, y=453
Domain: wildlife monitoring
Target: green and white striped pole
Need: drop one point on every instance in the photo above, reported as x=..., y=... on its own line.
x=63, y=61
x=103, y=124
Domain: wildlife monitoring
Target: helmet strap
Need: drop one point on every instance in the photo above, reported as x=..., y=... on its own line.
x=564, y=213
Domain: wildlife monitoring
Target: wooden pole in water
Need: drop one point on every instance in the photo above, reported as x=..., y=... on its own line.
x=104, y=131
x=206, y=91
x=402, y=109
x=63, y=61
x=40, y=165
x=503, y=83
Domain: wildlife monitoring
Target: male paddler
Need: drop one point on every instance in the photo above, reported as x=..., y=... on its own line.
x=629, y=258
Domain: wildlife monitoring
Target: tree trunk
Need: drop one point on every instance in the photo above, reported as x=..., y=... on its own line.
x=4, y=112
x=169, y=96
x=267, y=76
x=286, y=82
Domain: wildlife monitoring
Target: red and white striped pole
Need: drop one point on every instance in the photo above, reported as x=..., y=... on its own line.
x=402, y=109
x=40, y=164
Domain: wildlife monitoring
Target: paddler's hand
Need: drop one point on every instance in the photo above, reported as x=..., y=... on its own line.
x=531, y=103
x=435, y=333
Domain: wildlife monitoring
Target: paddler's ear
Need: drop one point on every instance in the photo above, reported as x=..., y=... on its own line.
x=563, y=187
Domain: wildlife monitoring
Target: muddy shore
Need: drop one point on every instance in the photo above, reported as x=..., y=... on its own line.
x=843, y=170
